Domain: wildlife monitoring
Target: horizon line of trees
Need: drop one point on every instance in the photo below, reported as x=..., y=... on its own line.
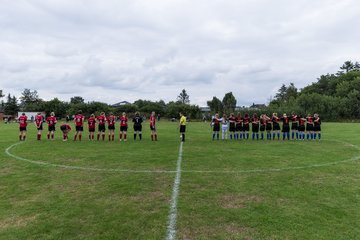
x=333, y=96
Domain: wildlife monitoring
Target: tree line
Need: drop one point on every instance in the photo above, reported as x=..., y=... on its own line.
x=333, y=96
x=30, y=101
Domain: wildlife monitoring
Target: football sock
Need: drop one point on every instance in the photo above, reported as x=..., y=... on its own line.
x=113, y=137
x=98, y=137
x=213, y=136
x=288, y=135
x=110, y=137
x=103, y=137
x=152, y=137
x=140, y=136
x=24, y=137
x=217, y=136
x=124, y=136
x=92, y=137
x=253, y=136
x=231, y=136
x=283, y=136
x=262, y=136
x=120, y=136
x=89, y=137
x=80, y=137
x=75, y=137
x=319, y=136
x=155, y=137
x=273, y=136
x=38, y=137
x=297, y=135
x=134, y=136
x=183, y=137
x=247, y=135
x=48, y=136
x=292, y=135
x=257, y=136
x=52, y=136
x=307, y=136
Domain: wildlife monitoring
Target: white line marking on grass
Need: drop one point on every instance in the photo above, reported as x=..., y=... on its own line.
x=171, y=229
x=7, y=151
x=42, y=163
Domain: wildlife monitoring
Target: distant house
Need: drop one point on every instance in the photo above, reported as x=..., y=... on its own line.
x=205, y=109
x=257, y=106
x=119, y=104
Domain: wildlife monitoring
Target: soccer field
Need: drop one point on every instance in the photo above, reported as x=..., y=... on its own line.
x=201, y=189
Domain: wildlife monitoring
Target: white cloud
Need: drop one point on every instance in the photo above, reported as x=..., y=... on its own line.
x=126, y=50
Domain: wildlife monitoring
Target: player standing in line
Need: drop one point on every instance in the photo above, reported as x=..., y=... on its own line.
x=182, y=126
x=255, y=127
x=101, y=126
x=268, y=126
x=262, y=125
x=123, y=126
x=65, y=128
x=276, y=126
x=294, y=126
x=153, y=127
x=79, y=122
x=39, y=125
x=301, y=127
x=23, y=123
x=285, y=127
x=238, y=126
x=51, y=121
x=317, y=126
x=91, y=126
x=111, y=126
x=246, y=126
x=232, y=126
x=309, y=127
x=224, y=127
x=137, y=120
x=216, y=126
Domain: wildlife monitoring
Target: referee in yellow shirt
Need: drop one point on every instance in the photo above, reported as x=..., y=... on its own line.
x=182, y=126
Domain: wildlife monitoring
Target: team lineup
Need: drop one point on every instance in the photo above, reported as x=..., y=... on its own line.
x=101, y=121
x=239, y=127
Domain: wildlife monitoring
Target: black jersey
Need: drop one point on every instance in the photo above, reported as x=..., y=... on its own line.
x=137, y=120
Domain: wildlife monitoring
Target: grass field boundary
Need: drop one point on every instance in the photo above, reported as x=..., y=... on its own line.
x=264, y=170
x=171, y=229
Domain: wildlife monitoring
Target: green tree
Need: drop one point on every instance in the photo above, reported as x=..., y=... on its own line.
x=215, y=105
x=11, y=105
x=60, y=108
x=76, y=100
x=183, y=97
x=30, y=100
x=229, y=103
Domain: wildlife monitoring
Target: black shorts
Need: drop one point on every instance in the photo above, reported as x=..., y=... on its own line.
x=51, y=128
x=276, y=127
x=286, y=128
x=79, y=128
x=294, y=126
x=309, y=127
x=101, y=128
x=317, y=128
x=111, y=127
x=152, y=128
x=255, y=128
x=22, y=129
x=232, y=127
x=262, y=128
x=246, y=128
x=91, y=129
x=123, y=128
x=238, y=127
x=137, y=128
x=182, y=128
x=40, y=128
x=63, y=128
x=216, y=128
x=268, y=127
x=301, y=128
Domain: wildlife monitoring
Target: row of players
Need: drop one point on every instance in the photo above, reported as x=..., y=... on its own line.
x=239, y=126
x=79, y=120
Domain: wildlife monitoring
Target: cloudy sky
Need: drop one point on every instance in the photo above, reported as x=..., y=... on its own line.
x=115, y=50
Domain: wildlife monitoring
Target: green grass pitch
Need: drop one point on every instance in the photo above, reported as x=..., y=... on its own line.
x=228, y=189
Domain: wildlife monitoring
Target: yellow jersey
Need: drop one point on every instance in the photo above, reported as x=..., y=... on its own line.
x=183, y=120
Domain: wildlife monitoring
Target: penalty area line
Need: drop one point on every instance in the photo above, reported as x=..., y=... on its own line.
x=171, y=229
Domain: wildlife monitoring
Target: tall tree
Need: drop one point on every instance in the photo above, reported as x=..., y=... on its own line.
x=215, y=105
x=183, y=97
x=229, y=102
x=29, y=97
x=76, y=100
x=11, y=105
